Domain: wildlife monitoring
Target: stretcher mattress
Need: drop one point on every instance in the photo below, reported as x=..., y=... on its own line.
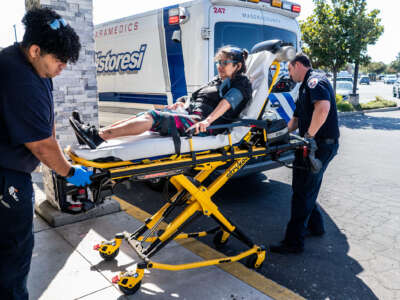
x=151, y=145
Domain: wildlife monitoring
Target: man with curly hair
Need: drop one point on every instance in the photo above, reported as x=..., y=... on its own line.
x=27, y=136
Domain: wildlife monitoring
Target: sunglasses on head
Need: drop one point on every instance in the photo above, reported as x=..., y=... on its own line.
x=56, y=23
x=225, y=62
x=235, y=50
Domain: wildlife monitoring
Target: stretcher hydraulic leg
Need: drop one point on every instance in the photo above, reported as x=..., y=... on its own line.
x=153, y=236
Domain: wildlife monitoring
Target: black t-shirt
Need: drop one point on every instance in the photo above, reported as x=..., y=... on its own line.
x=26, y=110
x=316, y=87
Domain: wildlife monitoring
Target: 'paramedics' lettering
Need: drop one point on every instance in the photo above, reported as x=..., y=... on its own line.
x=120, y=62
x=116, y=29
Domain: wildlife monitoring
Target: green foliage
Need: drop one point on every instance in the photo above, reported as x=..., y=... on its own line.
x=324, y=39
x=339, y=98
x=339, y=32
x=395, y=65
x=344, y=106
x=379, y=102
x=375, y=67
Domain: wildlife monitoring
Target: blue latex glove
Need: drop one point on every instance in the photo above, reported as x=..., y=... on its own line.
x=81, y=176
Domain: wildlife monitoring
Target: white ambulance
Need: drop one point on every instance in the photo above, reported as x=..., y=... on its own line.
x=155, y=57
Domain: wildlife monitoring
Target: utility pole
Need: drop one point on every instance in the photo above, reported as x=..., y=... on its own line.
x=15, y=32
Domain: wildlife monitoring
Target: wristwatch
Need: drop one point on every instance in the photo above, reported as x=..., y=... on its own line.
x=308, y=136
x=71, y=172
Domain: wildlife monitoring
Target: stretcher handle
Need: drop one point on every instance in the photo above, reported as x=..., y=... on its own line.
x=315, y=163
x=242, y=122
x=100, y=176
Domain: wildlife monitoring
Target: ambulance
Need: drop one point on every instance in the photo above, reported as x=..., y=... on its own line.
x=153, y=58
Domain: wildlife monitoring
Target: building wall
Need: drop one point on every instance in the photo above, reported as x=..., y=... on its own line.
x=76, y=87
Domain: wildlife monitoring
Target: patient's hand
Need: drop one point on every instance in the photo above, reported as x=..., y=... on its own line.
x=175, y=106
x=200, y=126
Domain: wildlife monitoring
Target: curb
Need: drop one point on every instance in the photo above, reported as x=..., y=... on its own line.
x=362, y=112
x=236, y=269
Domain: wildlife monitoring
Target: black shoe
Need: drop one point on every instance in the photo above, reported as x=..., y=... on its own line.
x=76, y=116
x=284, y=248
x=86, y=133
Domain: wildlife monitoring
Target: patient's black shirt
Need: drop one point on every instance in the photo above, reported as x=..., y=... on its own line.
x=26, y=110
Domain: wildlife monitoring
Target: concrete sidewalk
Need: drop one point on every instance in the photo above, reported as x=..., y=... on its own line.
x=65, y=266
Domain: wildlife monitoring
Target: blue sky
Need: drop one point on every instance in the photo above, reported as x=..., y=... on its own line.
x=386, y=49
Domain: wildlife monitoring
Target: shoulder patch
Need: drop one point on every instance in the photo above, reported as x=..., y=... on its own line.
x=312, y=83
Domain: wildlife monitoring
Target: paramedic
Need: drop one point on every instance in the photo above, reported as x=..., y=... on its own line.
x=27, y=136
x=218, y=102
x=316, y=118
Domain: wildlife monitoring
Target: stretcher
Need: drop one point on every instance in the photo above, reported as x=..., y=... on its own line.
x=151, y=156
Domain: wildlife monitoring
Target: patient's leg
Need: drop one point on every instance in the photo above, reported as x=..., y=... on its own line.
x=119, y=122
x=132, y=126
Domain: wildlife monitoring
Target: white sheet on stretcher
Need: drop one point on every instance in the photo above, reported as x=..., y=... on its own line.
x=152, y=145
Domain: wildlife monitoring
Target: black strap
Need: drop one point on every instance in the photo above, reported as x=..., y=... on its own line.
x=168, y=128
x=175, y=135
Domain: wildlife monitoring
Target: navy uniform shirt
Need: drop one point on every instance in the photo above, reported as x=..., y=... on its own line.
x=315, y=87
x=26, y=110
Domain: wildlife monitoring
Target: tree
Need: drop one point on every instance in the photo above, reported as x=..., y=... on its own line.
x=395, y=65
x=325, y=40
x=362, y=29
x=339, y=32
x=376, y=67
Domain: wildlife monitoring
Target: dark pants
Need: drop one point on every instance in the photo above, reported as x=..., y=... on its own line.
x=16, y=239
x=305, y=214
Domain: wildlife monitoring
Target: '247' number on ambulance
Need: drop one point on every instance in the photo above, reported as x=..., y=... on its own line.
x=219, y=10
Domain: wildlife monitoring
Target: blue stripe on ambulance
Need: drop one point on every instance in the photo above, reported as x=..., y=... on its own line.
x=134, y=98
x=289, y=100
x=175, y=58
x=279, y=110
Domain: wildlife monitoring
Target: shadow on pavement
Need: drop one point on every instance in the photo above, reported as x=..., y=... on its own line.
x=261, y=209
x=369, y=122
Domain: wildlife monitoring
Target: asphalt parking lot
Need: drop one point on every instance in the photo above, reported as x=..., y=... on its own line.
x=358, y=258
x=376, y=88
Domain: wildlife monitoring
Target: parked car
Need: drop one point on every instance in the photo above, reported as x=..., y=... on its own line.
x=344, y=78
x=390, y=79
x=372, y=76
x=344, y=88
x=396, y=89
x=364, y=80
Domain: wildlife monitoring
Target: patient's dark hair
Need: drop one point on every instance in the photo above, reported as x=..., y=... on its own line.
x=235, y=54
x=62, y=42
x=301, y=58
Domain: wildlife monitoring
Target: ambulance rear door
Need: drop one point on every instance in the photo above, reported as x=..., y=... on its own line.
x=128, y=61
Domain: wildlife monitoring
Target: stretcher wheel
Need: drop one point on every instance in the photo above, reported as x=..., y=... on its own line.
x=132, y=290
x=218, y=239
x=251, y=262
x=109, y=257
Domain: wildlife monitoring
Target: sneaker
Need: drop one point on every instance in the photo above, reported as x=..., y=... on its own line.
x=76, y=116
x=86, y=133
x=285, y=248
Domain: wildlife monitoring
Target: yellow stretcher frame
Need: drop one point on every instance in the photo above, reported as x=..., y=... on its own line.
x=190, y=192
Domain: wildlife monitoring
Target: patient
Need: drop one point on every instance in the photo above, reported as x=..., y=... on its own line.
x=218, y=102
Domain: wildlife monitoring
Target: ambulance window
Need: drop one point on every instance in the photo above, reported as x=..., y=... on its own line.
x=246, y=35
x=237, y=34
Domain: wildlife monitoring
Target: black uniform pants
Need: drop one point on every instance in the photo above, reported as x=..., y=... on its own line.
x=16, y=238
x=305, y=212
